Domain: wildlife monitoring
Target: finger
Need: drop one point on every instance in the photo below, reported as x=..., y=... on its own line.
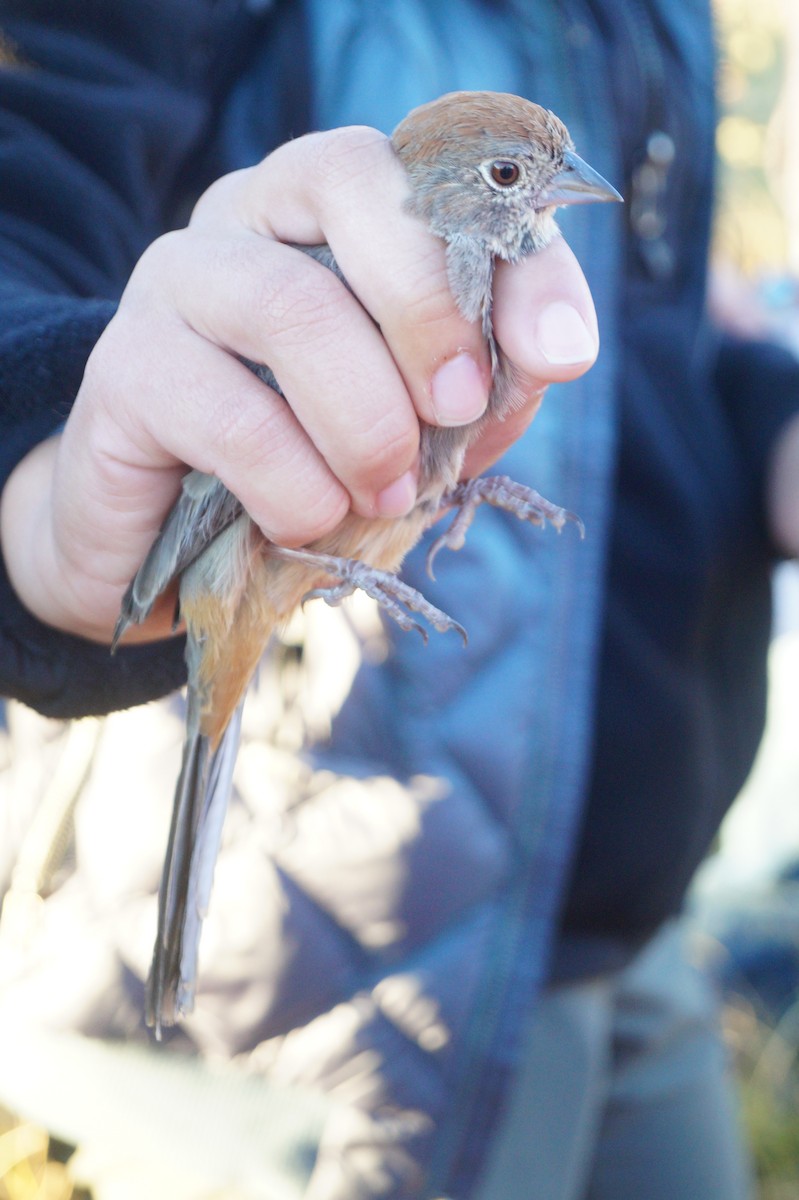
x=131, y=425
x=544, y=316
x=273, y=304
x=348, y=188
x=545, y=321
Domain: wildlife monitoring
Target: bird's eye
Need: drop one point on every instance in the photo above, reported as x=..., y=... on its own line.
x=505, y=172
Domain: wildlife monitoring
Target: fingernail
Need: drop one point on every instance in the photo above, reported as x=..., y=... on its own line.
x=563, y=336
x=399, y=497
x=459, y=391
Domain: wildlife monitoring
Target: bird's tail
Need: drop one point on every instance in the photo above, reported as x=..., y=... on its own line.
x=198, y=812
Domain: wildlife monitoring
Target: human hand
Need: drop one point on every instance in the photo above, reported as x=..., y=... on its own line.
x=165, y=388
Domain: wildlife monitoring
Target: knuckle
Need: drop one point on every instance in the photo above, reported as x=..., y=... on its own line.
x=381, y=452
x=389, y=444
x=295, y=497
x=297, y=500
x=427, y=301
x=298, y=305
x=154, y=288
x=320, y=513
x=342, y=156
x=110, y=365
x=161, y=255
x=221, y=200
x=246, y=434
x=99, y=364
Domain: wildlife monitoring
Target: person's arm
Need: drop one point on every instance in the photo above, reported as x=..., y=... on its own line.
x=760, y=382
x=783, y=488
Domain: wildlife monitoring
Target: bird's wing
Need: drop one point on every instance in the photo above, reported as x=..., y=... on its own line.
x=203, y=510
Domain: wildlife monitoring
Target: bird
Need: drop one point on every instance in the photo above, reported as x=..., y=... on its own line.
x=486, y=173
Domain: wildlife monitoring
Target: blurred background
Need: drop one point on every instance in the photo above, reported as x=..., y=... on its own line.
x=758, y=143
x=746, y=898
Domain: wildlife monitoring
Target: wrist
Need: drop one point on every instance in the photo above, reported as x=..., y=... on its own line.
x=46, y=586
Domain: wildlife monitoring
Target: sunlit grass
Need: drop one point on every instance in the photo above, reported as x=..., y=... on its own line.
x=766, y=1057
x=29, y=1170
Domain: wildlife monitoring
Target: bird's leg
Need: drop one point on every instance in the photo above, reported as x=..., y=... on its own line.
x=393, y=596
x=502, y=492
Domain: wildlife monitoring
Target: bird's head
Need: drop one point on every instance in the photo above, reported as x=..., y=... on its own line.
x=493, y=167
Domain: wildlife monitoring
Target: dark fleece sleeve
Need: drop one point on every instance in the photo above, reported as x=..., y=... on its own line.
x=43, y=350
x=98, y=126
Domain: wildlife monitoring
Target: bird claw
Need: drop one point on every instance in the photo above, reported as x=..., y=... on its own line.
x=392, y=594
x=503, y=492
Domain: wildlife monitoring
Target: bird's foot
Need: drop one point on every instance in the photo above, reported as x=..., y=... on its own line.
x=502, y=492
x=397, y=599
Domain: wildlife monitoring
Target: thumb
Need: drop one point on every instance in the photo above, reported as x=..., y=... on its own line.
x=544, y=317
x=545, y=322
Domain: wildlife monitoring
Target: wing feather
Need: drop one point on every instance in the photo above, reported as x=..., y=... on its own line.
x=204, y=509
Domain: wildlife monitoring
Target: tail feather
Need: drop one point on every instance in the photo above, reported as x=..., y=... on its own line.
x=198, y=812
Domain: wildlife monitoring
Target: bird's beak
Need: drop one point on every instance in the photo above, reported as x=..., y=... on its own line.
x=576, y=183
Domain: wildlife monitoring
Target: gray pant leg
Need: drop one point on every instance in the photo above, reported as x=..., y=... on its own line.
x=671, y=1128
x=545, y=1144
x=624, y=1093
